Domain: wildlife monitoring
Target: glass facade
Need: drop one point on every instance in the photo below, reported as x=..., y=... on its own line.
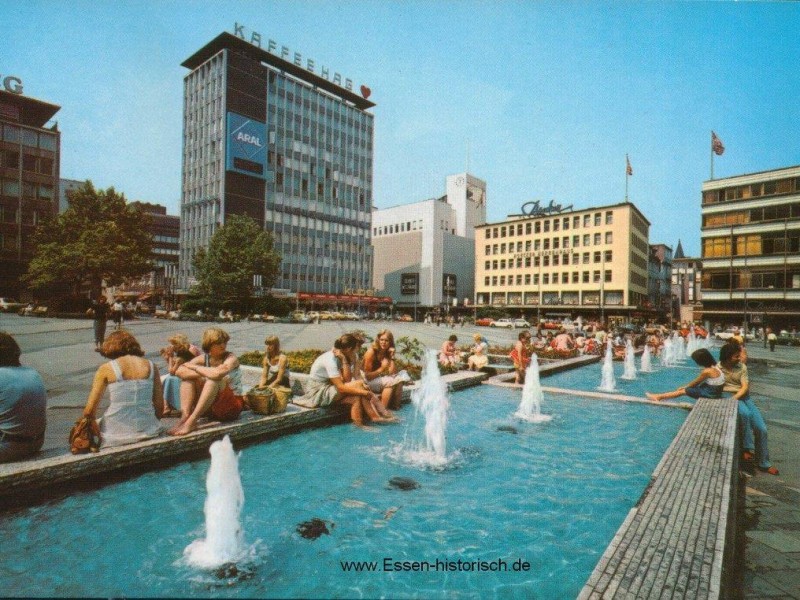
x=319, y=187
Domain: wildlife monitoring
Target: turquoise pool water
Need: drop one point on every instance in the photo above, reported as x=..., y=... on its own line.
x=662, y=379
x=550, y=496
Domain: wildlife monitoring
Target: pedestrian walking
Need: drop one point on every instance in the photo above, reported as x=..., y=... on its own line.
x=99, y=312
x=772, y=339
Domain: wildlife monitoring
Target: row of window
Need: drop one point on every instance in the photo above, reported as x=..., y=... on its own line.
x=29, y=137
x=543, y=226
x=547, y=278
x=11, y=188
x=759, y=280
x=753, y=244
x=789, y=185
x=548, y=243
x=11, y=215
x=610, y=297
x=753, y=215
x=404, y=227
x=32, y=164
x=546, y=260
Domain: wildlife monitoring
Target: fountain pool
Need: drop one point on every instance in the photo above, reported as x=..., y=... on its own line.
x=550, y=495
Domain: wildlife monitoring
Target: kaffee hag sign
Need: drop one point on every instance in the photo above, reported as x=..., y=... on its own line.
x=309, y=64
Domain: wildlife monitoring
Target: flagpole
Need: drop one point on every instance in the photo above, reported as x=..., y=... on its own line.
x=712, y=155
x=626, y=185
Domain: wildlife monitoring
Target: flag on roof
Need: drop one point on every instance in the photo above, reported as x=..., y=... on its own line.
x=628, y=167
x=716, y=144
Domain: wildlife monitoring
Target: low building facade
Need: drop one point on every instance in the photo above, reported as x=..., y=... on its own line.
x=556, y=262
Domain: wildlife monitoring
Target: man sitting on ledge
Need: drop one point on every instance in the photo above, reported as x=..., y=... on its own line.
x=23, y=404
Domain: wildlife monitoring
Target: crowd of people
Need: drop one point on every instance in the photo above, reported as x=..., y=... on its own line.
x=205, y=382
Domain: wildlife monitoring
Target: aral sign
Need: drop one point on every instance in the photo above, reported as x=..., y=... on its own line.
x=309, y=64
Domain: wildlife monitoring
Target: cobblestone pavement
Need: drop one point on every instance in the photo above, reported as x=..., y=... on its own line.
x=62, y=351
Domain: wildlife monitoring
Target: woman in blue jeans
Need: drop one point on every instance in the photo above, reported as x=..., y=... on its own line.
x=754, y=429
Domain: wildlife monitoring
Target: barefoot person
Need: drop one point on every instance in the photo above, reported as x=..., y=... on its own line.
x=213, y=384
x=326, y=385
x=708, y=384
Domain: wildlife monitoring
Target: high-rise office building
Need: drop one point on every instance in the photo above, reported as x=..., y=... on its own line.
x=288, y=143
x=29, y=168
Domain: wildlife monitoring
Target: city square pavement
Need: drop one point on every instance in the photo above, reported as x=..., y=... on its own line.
x=62, y=350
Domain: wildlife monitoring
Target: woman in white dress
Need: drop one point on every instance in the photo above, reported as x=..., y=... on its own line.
x=134, y=385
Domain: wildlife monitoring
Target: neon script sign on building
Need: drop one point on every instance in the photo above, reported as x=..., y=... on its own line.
x=535, y=209
x=295, y=57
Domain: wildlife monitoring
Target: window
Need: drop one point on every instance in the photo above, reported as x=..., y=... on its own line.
x=596, y=239
x=503, y=231
x=545, y=279
x=597, y=257
x=585, y=277
x=527, y=246
x=527, y=279
x=597, y=217
x=546, y=243
x=502, y=248
x=586, y=220
x=487, y=265
x=575, y=258
x=527, y=228
x=575, y=276
x=609, y=256
x=503, y=264
x=576, y=240
x=537, y=227
x=545, y=261
x=488, y=234
x=555, y=243
x=519, y=229
x=609, y=217
x=566, y=223
x=556, y=224
x=536, y=244
x=546, y=226
x=576, y=221
x=565, y=277
x=596, y=276
x=609, y=237
x=585, y=258
x=565, y=242
x=488, y=250
x=555, y=260
x=566, y=259
x=608, y=276
x=587, y=240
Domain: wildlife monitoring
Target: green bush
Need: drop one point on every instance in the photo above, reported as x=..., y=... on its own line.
x=300, y=361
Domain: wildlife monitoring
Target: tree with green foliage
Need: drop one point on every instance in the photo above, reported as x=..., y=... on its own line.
x=237, y=251
x=99, y=238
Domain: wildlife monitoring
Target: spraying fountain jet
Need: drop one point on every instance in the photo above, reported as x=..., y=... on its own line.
x=608, y=383
x=224, y=542
x=630, y=364
x=646, y=365
x=532, y=395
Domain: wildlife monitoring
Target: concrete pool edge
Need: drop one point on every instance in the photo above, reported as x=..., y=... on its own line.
x=47, y=474
x=679, y=539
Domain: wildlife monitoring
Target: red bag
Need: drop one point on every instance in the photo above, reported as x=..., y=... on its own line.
x=227, y=405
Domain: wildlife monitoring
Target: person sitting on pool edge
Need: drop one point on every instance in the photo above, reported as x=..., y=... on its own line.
x=23, y=404
x=215, y=388
x=732, y=359
x=330, y=382
x=708, y=384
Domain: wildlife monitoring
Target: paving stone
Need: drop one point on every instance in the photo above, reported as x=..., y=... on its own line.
x=778, y=540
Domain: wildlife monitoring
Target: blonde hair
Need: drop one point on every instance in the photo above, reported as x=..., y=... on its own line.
x=179, y=342
x=214, y=335
x=273, y=341
x=376, y=345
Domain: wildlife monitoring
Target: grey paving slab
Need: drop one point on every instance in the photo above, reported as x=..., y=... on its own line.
x=778, y=540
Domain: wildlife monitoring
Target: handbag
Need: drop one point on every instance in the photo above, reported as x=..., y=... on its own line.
x=269, y=400
x=85, y=436
x=259, y=399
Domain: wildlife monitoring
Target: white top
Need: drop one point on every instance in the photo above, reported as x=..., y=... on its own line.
x=234, y=376
x=325, y=367
x=718, y=380
x=130, y=416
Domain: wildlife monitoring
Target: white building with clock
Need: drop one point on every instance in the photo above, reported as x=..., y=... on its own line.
x=424, y=252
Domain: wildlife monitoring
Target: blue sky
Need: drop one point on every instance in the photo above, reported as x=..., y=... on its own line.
x=549, y=97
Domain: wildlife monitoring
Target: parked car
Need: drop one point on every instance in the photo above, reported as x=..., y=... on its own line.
x=10, y=305
x=503, y=323
x=405, y=318
x=264, y=318
x=728, y=334
x=484, y=322
x=521, y=323
x=326, y=315
x=351, y=316
x=299, y=316
x=160, y=312
x=313, y=315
